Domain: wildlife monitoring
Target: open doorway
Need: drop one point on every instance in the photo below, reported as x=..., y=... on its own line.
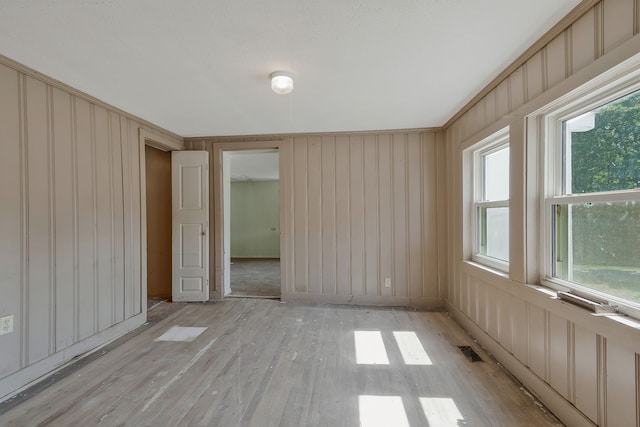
x=252, y=221
x=158, y=200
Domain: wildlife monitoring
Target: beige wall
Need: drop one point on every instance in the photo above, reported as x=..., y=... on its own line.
x=570, y=358
x=360, y=208
x=70, y=221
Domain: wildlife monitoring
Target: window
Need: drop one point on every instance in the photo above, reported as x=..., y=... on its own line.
x=491, y=201
x=593, y=198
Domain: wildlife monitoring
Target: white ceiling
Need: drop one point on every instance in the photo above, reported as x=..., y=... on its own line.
x=201, y=67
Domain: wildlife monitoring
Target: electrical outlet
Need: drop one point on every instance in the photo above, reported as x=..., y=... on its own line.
x=6, y=324
x=387, y=282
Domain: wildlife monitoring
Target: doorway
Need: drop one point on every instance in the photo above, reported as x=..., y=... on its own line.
x=158, y=216
x=252, y=223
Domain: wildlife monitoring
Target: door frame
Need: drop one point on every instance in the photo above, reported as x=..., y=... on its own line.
x=146, y=137
x=286, y=225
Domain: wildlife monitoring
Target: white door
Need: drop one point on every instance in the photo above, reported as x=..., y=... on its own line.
x=190, y=200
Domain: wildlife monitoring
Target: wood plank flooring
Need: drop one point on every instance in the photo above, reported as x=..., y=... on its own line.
x=266, y=363
x=255, y=277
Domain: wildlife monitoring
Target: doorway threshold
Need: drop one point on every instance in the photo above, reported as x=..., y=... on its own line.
x=254, y=296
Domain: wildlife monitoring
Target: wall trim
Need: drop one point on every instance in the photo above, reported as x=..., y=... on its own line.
x=159, y=141
x=146, y=137
x=561, y=408
x=283, y=136
x=25, y=378
x=217, y=261
x=385, y=301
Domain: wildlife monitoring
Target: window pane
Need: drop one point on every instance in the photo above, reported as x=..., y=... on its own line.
x=496, y=175
x=494, y=232
x=597, y=245
x=602, y=148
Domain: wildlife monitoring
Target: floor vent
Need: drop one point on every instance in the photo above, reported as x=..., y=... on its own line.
x=470, y=353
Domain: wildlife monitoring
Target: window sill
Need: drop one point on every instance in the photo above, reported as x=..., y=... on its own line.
x=487, y=268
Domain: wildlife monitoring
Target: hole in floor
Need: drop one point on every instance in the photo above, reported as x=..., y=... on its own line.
x=470, y=353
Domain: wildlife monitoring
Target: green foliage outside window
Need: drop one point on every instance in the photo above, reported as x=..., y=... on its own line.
x=607, y=158
x=605, y=237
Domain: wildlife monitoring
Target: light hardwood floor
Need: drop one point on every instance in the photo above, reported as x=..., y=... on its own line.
x=266, y=363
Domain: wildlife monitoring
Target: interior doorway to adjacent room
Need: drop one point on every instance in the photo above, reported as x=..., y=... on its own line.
x=252, y=223
x=158, y=199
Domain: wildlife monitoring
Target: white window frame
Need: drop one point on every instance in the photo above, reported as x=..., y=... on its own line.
x=584, y=99
x=489, y=145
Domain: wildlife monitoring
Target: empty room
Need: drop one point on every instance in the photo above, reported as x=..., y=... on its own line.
x=339, y=213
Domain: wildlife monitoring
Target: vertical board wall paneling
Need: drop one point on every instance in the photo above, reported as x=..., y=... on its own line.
x=329, y=236
x=39, y=270
x=300, y=215
x=558, y=354
x=429, y=193
x=363, y=209
x=314, y=211
x=371, y=219
x=385, y=213
x=636, y=27
x=416, y=257
x=556, y=60
x=11, y=212
x=593, y=372
x=343, y=224
x=537, y=345
x=356, y=211
x=598, y=29
x=535, y=73
x=104, y=210
x=505, y=323
x=620, y=385
x=117, y=195
x=618, y=22
x=64, y=215
x=399, y=226
x=585, y=372
x=583, y=41
x=127, y=220
x=517, y=88
x=84, y=167
x=70, y=203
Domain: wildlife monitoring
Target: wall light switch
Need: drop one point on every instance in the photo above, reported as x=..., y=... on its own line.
x=6, y=324
x=387, y=282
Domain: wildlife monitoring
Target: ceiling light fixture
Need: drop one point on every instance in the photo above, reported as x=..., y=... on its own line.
x=281, y=82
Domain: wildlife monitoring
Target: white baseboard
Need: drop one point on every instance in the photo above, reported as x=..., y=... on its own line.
x=26, y=377
x=561, y=408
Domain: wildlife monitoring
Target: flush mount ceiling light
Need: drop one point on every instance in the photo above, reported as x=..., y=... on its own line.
x=281, y=82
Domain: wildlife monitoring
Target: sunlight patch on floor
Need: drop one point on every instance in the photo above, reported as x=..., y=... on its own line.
x=413, y=353
x=382, y=411
x=181, y=333
x=370, y=348
x=441, y=411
